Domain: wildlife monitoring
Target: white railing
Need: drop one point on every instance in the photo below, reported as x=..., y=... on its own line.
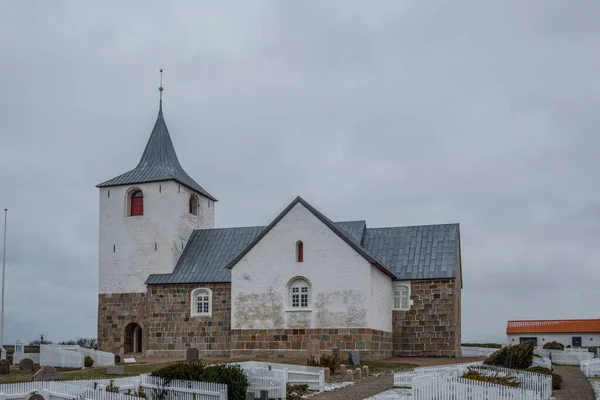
x=101, y=358
x=591, y=368
x=314, y=377
x=405, y=379
x=541, y=362
x=57, y=357
x=272, y=380
x=539, y=383
x=96, y=389
x=476, y=351
x=565, y=357
x=35, y=357
x=427, y=387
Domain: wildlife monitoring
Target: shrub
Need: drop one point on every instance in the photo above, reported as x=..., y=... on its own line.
x=111, y=387
x=507, y=380
x=332, y=362
x=295, y=392
x=88, y=361
x=516, y=356
x=554, y=346
x=229, y=374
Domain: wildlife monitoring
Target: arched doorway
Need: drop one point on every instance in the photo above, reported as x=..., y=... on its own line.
x=133, y=338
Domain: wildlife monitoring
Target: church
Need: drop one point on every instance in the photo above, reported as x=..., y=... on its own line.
x=169, y=280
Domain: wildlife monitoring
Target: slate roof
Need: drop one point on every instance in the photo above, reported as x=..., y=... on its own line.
x=404, y=253
x=159, y=162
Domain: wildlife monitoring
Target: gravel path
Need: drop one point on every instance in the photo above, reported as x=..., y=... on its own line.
x=575, y=386
x=361, y=389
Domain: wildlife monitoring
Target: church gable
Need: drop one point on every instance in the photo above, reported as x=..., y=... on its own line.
x=330, y=286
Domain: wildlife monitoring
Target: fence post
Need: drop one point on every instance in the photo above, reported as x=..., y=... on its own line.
x=321, y=378
x=223, y=394
x=46, y=394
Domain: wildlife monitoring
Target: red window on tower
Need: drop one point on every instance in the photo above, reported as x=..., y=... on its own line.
x=137, y=203
x=299, y=251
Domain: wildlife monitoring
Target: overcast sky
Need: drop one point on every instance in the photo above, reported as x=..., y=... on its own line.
x=485, y=113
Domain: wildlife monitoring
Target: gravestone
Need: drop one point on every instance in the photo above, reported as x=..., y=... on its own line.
x=192, y=354
x=115, y=370
x=314, y=350
x=353, y=358
x=47, y=373
x=4, y=367
x=129, y=360
x=26, y=364
x=34, y=396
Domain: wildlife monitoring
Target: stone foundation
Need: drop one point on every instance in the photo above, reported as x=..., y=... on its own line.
x=431, y=328
x=371, y=344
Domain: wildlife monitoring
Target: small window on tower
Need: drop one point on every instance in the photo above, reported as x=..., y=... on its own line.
x=136, y=206
x=193, y=205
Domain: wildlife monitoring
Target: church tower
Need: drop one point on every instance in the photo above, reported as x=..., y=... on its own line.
x=147, y=216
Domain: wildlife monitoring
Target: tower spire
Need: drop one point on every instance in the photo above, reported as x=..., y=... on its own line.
x=160, y=88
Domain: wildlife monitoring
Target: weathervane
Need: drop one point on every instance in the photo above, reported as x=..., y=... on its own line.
x=160, y=88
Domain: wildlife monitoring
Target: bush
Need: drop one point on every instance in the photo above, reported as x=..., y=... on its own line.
x=332, y=362
x=517, y=356
x=229, y=374
x=556, y=378
x=507, y=380
x=295, y=392
x=554, y=346
x=88, y=361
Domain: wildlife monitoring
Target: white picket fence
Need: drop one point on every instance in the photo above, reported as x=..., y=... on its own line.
x=271, y=380
x=565, y=357
x=541, y=362
x=405, y=378
x=57, y=357
x=476, y=351
x=429, y=387
x=314, y=377
x=96, y=389
x=591, y=368
x=539, y=383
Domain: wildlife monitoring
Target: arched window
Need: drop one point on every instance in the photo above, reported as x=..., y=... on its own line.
x=201, y=302
x=299, y=251
x=136, y=203
x=299, y=293
x=401, y=297
x=193, y=205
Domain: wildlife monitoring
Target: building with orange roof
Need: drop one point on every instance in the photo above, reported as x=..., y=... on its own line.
x=569, y=332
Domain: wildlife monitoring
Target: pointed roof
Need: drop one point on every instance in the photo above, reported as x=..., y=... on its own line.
x=158, y=163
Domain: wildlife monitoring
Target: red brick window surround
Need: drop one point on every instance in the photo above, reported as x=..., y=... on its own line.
x=299, y=251
x=201, y=303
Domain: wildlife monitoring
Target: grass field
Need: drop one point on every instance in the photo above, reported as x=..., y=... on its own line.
x=144, y=368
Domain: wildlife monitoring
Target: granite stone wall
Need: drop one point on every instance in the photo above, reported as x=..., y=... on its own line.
x=164, y=314
x=371, y=344
x=431, y=328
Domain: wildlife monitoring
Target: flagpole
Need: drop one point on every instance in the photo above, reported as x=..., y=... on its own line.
x=2, y=351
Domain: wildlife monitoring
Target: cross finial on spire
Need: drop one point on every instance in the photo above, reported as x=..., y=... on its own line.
x=160, y=88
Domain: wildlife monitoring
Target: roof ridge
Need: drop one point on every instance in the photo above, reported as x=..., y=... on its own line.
x=415, y=226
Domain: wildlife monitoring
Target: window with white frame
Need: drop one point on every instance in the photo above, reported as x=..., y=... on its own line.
x=401, y=297
x=201, y=302
x=299, y=290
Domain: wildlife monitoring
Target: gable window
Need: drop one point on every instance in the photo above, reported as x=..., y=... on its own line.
x=401, y=297
x=193, y=205
x=135, y=203
x=299, y=293
x=299, y=251
x=201, y=302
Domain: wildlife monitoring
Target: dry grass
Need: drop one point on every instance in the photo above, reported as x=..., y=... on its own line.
x=149, y=367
